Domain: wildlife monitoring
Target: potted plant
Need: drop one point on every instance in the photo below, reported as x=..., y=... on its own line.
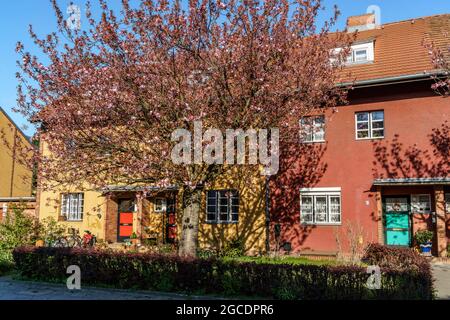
x=134, y=238
x=423, y=239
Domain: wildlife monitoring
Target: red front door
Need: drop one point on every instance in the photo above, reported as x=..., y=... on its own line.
x=126, y=209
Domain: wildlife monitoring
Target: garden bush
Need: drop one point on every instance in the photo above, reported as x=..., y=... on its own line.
x=217, y=276
x=17, y=229
x=396, y=258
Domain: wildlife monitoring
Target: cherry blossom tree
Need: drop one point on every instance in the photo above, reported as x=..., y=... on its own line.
x=440, y=58
x=107, y=97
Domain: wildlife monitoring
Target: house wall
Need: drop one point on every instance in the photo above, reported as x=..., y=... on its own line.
x=412, y=112
x=101, y=213
x=15, y=178
x=94, y=215
x=251, y=227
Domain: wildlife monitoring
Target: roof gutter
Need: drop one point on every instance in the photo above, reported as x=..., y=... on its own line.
x=389, y=80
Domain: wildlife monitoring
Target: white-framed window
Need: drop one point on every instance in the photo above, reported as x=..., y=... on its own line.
x=359, y=53
x=420, y=203
x=312, y=129
x=222, y=206
x=397, y=204
x=72, y=205
x=447, y=203
x=369, y=125
x=160, y=205
x=320, y=206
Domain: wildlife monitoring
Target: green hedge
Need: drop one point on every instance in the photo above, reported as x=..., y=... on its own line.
x=215, y=276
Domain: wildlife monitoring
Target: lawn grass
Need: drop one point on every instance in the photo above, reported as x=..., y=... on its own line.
x=285, y=260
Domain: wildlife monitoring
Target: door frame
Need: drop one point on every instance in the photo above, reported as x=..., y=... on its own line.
x=119, y=238
x=408, y=199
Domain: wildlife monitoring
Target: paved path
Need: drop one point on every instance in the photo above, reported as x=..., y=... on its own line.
x=441, y=273
x=25, y=290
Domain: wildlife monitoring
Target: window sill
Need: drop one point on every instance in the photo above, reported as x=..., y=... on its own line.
x=221, y=222
x=365, y=139
x=74, y=220
x=320, y=224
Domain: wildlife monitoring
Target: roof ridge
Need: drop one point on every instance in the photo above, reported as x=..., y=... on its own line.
x=417, y=18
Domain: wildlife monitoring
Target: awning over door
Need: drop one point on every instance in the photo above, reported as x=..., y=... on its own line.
x=412, y=181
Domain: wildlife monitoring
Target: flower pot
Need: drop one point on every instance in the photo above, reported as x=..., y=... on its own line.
x=135, y=241
x=426, y=249
x=39, y=243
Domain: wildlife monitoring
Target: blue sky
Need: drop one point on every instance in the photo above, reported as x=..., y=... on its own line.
x=15, y=16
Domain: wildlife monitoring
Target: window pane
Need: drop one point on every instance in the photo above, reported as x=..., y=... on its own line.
x=320, y=209
x=378, y=125
x=361, y=55
x=223, y=216
x=335, y=218
x=306, y=129
x=363, y=134
x=362, y=126
x=377, y=133
x=319, y=128
x=335, y=205
x=378, y=115
x=306, y=206
x=421, y=203
x=306, y=209
x=362, y=116
x=396, y=204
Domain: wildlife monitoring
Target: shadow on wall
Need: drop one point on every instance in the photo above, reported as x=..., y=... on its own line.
x=394, y=160
x=301, y=166
x=251, y=228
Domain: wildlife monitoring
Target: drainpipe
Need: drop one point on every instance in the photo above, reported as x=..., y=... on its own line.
x=267, y=194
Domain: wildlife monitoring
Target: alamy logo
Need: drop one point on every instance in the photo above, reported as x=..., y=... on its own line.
x=208, y=147
x=374, y=280
x=74, y=280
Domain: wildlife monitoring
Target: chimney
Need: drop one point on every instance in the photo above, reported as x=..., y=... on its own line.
x=363, y=22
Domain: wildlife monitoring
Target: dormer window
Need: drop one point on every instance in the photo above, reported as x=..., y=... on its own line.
x=360, y=53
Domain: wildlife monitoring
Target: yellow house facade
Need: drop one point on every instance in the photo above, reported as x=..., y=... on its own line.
x=233, y=208
x=15, y=177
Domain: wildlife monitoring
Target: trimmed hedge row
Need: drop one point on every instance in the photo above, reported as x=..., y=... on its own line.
x=215, y=276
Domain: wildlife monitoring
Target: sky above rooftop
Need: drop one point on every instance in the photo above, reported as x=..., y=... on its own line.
x=15, y=16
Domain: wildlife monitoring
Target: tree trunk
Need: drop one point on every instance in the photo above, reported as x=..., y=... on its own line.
x=189, y=227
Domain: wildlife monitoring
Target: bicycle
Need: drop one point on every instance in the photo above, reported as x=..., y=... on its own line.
x=89, y=240
x=73, y=240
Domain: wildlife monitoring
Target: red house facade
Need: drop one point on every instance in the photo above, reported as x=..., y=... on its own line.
x=378, y=168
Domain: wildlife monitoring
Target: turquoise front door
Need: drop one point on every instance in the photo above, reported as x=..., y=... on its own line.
x=397, y=222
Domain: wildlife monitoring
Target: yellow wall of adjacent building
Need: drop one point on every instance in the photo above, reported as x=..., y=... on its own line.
x=15, y=178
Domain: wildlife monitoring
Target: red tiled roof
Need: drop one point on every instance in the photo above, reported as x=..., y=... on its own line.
x=399, y=49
